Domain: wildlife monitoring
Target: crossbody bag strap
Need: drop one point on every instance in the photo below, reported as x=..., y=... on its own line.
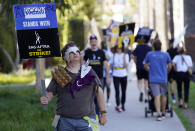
x=184, y=60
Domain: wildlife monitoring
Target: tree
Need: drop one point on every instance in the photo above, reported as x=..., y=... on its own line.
x=67, y=9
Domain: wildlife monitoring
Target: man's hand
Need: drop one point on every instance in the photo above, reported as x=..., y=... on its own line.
x=44, y=100
x=103, y=119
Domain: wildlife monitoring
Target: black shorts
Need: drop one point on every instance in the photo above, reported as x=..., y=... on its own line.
x=142, y=74
x=172, y=75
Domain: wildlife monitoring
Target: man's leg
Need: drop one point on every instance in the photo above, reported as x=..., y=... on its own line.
x=157, y=107
x=163, y=104
x=156, y=93
x=139, y=85
x=171, y=85
x=157, y=104
x=146, y=89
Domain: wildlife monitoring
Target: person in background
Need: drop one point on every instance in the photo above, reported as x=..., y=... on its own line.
x=171, y=75
x=119, y=64
x=142, y=75
x=109, y=56
x=97, y=60
x=156, y=63
x=182, y=62
x=75, y=105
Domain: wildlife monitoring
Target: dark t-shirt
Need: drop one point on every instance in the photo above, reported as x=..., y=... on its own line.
x=140, y=52
x=96, y=59
x=172, y=52
x=78, y=107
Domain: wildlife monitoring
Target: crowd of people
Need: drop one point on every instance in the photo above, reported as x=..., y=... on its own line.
x=81, y=104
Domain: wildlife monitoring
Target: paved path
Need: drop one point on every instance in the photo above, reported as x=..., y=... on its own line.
x=133, y=119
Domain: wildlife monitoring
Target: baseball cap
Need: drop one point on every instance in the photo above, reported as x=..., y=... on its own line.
x=93, y=37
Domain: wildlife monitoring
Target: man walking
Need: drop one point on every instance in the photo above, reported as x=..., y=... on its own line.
x=97, y=60
x=142, y=75
x=156, y=63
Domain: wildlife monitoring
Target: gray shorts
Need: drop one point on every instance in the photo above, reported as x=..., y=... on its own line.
x=159, y=89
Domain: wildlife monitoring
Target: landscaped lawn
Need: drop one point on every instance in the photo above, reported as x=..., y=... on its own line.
x=180, y=112
x=26, y=76
x=20, y=110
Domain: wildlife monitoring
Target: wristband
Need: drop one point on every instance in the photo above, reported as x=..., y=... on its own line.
x=102, y=112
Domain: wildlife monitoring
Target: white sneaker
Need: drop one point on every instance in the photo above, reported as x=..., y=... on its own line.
x=173, y=101
x=163, y=116
x=108, y=104
x=158, y=118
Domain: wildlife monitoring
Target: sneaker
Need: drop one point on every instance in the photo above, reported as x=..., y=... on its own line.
x=163, y=116
x=158, y=118
x=173, y=101
x=146, y=101
x=185, y=106
x=141, y=97
x=108, y=103
x=118, y=109
x=123, y=108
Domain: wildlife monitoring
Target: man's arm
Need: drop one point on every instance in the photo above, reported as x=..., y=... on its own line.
x=107, y=71
x=46, y=99
x=169, y=67
x=101, y=104
x=146, y=67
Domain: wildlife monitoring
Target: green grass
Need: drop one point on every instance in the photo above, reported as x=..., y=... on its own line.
x=26, y=76
x=192, y=96
x=187, y=124
x=20, y=110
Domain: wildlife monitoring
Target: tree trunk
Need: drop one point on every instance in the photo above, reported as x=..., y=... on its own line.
x=17, y=59
x=9, y=58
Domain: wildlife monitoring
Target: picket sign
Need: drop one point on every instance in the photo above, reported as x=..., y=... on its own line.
x=37, y=34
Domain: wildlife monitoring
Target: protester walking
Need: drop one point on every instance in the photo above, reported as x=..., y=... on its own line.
x=156, y=63
x=119, y=64
x=75, y=86
x=183, y=66
x=97, y=60
x=109, y=56
x=172, y=74
x=142, y=75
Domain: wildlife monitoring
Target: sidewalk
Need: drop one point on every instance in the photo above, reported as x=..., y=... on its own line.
x=133, y=119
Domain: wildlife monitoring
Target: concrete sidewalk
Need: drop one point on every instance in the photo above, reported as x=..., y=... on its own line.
x=133, y=119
